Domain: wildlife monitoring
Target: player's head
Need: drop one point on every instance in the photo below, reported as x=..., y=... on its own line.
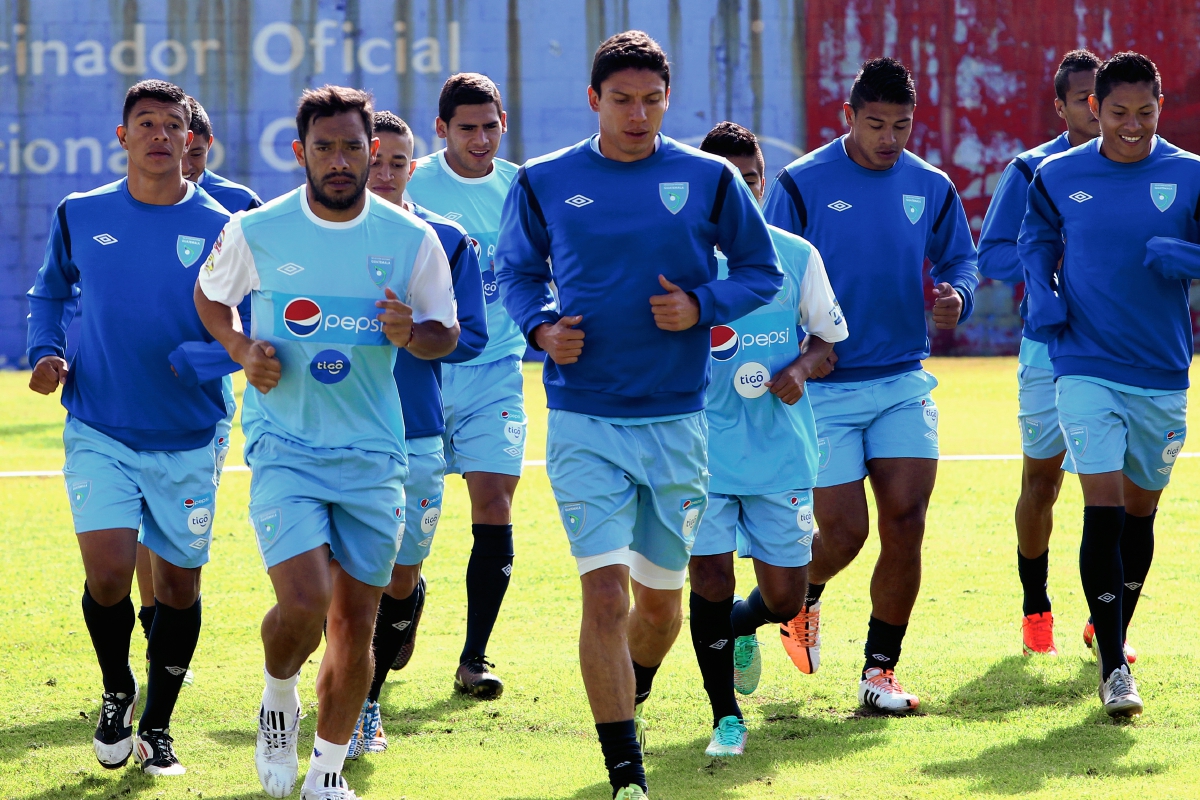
x=630, y=90
x=880, y=112
x=739, y=147
x=1127, y=101
x=196, y=159
x=154, y=126
x=1073, y=85
x=471, y=119
x=394, y=158
x=337, y=143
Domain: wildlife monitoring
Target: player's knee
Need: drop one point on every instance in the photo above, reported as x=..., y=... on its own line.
x=712, y=577
x=661, y=612
x=109, y=589
x=606, y=602
x=494, y=507
x=783, y=604
x=1040, y=491
x=404, y=581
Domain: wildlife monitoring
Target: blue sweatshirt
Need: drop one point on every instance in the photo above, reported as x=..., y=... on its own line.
x=610, y=228
x=233, y=196
x=139, y=264
x=1111, y=318
x=875, y=228
x=419, y=381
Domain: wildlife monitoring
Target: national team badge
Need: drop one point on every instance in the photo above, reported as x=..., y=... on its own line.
x=268, y=524
x=1032, y=429
x=79, y=492
x=573, y=517
x=1163, y=195
x=380, y=269
x=189, y=248
x=822, y=453
x=673, y=195
x=914, y=207
x=1078, y=437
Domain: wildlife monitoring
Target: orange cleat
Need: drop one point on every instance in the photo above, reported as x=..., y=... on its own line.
x=1037, y=633
x=801, y=637
x=1089, y=636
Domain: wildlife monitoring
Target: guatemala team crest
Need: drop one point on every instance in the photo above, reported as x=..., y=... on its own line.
x=188, y=248
x=822, y=453
x=573, y=517
x=673, y=195
x=1163, y=195
x=79, y=492
x=1078, y=437
x=268, y=524
x=914, y=207
x=380, y=269
x=1032, y=429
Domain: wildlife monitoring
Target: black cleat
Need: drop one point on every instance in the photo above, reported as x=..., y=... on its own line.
x=405, y=654
x=156, y=753
x=475, y=678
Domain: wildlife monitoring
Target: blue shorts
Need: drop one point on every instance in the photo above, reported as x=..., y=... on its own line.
x=423, y=498
x=630, y=494
x=352, y=500
x=169, y=494
x=1108, y=430
x=225, y=424
x=776, y=529
x=485, y=417
x=892, y=417
x=1038, y=415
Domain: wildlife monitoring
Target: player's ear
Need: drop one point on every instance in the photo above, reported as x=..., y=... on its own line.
x=1094, y=105
x=298, y=149
x=190, y=138
x=440, y=127
x=122, y=132
x=848, y=110
x=374, y=147
x=504, y=122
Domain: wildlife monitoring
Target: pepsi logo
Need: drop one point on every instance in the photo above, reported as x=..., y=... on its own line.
x=687, y=504
x=424, y=502
x=795, y=501
x=475, y=245
x=724, y=342
x=189, y=503
x=220, y=441
x=399, y=512
x=503, y=415
x=302, y=317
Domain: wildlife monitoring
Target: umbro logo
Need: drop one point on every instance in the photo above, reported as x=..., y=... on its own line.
x=452, y=216
x=516, y=451
x=1133, y=586
x=579, y=201
x=1080, y=197
x=719, y=644
x=199, y=544
x=105, y=238
x=290, y=268
x=401, y=625
x=840, y=205
x=879, y=657
x=176, y=671
x=1107, y=597
x=507, y=570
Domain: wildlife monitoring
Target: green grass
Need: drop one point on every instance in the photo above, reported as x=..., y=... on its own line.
x=993, y=723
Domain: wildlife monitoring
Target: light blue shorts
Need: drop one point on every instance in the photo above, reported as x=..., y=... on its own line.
x=225, y=424
x=423, y=498
x=1038, y=416
x=892, y=417
x=169, y=494
x=1108, y=430
x=485, y=417
x=352, y=500
x=630, y=494
x=776, y=529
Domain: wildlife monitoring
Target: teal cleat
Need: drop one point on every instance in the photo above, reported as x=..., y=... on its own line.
x=747, y=664
x=728, y=739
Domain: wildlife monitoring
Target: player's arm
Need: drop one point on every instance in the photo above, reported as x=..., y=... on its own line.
x=199, y=362
x=472, y=308
x=426, y=323
x=53, y=302
x=1040, y=248
x=952, y=252
x=820, y=316
x=1173, y=259
x=1002, y=224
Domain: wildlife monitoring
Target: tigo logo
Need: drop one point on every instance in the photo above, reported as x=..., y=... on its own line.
x=330, y=366
x=724, y=342
x=302, y=317
x=750, y=381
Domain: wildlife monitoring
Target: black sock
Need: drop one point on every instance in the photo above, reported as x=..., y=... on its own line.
x=883, y=644
x=751, y=614
x=146, y=617
x=1102, y=576
x=622, y=756
x=712, y=639
x=643, y=680
x=393, y=626
x=110, y=628
x=1033, y=573
x=813, y=595
x=1137, y=551
x=172, y=643
x=488, y=573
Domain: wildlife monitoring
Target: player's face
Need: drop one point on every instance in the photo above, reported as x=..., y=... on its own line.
x=196, y=158
x=390, y=171
x=1128, y=120
x=336, y=156
x=1081, y=122
x=631, y=104
x=473, y=138
x=156, y=138
x=878, y=133
x=752, y=174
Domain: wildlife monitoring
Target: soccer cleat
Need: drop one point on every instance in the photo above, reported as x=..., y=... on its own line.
x=156, y=752
x=325, y=786
x=747, y=663
x=377, y=743
x=633, y=792
x=275, y=752
x=728, y=739
x=1037, y=634
x=640, y=725
x=365, y=731
x=1119, y=694
x=113, y=741
x=880, y=690
x=475, y=678
x=189, y=678
x=801, y=638
x=405, y=654
x=1089, y=638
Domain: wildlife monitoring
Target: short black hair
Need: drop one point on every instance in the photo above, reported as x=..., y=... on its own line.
x=1082, y=60
x=1127, y=67
x=629, y=50
x=155, y=90
x=467, y=89
x=387, y=122
x=330, y=100
x=730, y=139
x=200, y=125
x=883, y=80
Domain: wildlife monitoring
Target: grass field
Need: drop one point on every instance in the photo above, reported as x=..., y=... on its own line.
x=993, y=723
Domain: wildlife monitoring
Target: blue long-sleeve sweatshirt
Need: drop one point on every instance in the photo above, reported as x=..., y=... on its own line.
x=1111, y=318
x=139, y=263
x=610, y=229
x=874, y=229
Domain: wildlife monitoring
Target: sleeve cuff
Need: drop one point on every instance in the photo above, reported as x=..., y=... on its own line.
x=534, y=322
x=704, y=297
x=36, y=354
x=183, y=367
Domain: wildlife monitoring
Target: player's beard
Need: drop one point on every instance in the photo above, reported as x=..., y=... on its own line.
x=333, y=203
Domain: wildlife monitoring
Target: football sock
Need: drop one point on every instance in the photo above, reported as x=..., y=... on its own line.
x=172, y=644
x=393, y=626
x=883, y=644
x=146, y=617
x=712, y=639
x=1033, y=573
x=110, y=628
x=622, y=756
x=488, y=572
x=1137, y=551
x=327, y=756
x=752, y=613
x=813, y=595
x=281, y=700
x=643, y=679
x=1102, y=576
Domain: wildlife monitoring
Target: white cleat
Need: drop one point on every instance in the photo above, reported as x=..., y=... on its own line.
x=275, y=753
x=325, y=786
x=1119, y=694
x=156, y=753
x=113, y=740
x=880, y=690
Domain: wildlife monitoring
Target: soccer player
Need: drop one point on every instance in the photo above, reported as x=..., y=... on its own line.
x=762, y=449
x=1042, y=443
x=1120, y=336
x=484, y=397
x=629, y=219
x=421, y=394
x=140, y=448
x=876, y=212
x=326, y=269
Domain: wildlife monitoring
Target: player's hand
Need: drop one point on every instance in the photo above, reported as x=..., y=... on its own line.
x=788, y=383
x=397, y=319
x=947, y=307
x=261, y=366
x=49, y=373
x=562, y=341
x=676, y=310
x=825, y=367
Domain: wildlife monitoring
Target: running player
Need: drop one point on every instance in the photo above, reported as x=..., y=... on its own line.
x=629, y=219
x=1042, y=443
x=763, y=459
x=139, y=443
x=875, y=415
x=325, y=440
x=1120, y=336
x=484, y=397
x=404, y=598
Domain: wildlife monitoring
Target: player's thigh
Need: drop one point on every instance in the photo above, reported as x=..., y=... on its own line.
x=906, y=425
x=180, y=492
x=368, y=518
x=1092, y=420
x=777, y=528
x=717, y=532
x=1157, y=428
x=291, y=489
x=842, y=416
x=486, y=432
x=1037, y=416
x=422, y=505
